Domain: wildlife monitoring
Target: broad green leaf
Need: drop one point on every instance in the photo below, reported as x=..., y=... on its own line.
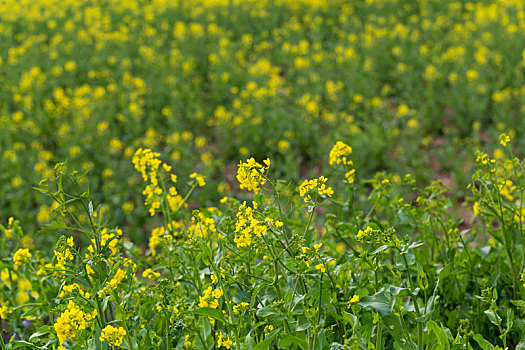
x=493, y=317
x=289, y=339
x=55, y=225
x=265, y=344
x=41, y=331
x=485, y=345
x=208, y=311
x=266, y=311
x=440, y=335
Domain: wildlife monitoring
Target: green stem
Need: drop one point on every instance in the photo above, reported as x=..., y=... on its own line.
x=416, y=306
x=228, y=304
x=320, y=299
x=504, y=236
x=124, y=321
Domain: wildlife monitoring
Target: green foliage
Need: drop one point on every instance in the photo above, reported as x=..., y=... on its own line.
x=383, y=264
x=415, y=87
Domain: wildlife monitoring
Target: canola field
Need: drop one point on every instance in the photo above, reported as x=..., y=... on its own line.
x=274, y=174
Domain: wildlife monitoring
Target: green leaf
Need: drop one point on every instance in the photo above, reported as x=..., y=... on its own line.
x=350, y=319
x=444, y=272
x=208, y=311
x=320, y=342
x=55, y=225
x=250, y=343
x=440, y=335
x=510, y=318
x=40, y=332
x=265, y=345
x=379, y=302
x=493, y=317
x=520, y=346
x=416, y=244
x=289, y=339
x=21, y=343
x=380, y=249
x=485, y=345
x=302, y=324
x=266, y=311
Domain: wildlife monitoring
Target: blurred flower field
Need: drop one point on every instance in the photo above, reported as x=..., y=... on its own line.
x=412, y=87
x=274, y=174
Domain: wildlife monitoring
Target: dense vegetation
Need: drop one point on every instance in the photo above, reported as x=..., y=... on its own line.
x=281, y=174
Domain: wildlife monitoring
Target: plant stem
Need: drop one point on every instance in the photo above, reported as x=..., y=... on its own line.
x=416, y=306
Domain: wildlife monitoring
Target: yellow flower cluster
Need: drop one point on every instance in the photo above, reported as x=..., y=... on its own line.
x=268, y=329
x=210, y=298
x=224, y=341
x=363, y=233
x=506, y=188
x=339, y=153
x=315, y=186
x=112, y=335
x=150, y=274
x=109, y=238
x=199, y=178
x=156, y=236
x=484, y=158
x=159, y=234
x=247, y=225
x=63, y=257
x=21, y=256
x=70, y=288
x=239, y=308
x=119, y=276
x=251, y=174
x=504, y=139
x=148, y=164
x=117, y=279
x=12, y=224
x=320, y=267
x=202, y=226
x=71, y=321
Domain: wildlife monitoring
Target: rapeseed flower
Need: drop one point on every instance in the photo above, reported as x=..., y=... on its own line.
x=112, y=335
x=21, y=257
x=251, y=174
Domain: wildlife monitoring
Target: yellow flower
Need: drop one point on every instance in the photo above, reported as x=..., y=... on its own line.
x=339, y=153
x=3, y=312
x=113, y=335
x=320, y=267
x=119, y=277
x=210, y=298
x=362, y=233
x=240, y=307
x=308, y=187
x=355, y=299
x=268, y=329
x=198, y=178
x=504, y=139
x=150, y=274
x=472, y=75
x=350, y=176
x=475, y=208
x=21, y=256
x=250, y=174
x=71, y=321
x=224, y=341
